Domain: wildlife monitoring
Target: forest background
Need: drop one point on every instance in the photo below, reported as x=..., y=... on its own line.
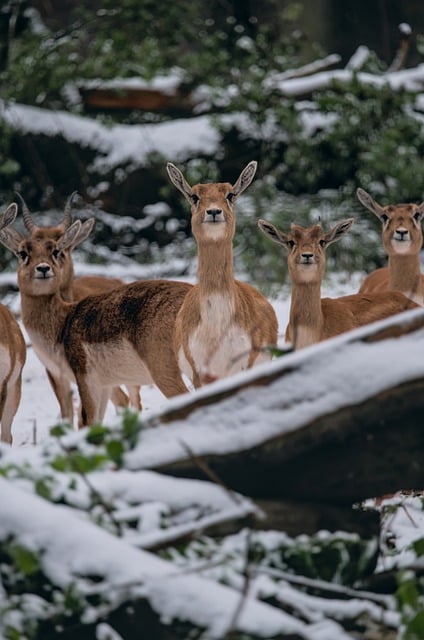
x=144, y=64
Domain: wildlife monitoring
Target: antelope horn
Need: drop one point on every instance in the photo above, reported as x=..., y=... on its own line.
x=67, y=216
x=28, y=221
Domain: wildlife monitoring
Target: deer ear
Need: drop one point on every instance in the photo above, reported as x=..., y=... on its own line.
x=9, y=215
x=11, y=239
x=70, y=237
x=85, y=230
x=339, y=230
x=179, y=181
x=419, y=213
x=272, y=232
x=368, y=202
x=245, y=178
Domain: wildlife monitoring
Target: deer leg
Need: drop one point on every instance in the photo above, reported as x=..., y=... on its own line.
x=3, y=394
x=90, y=396
x=167, y=376
x=13, y=398
x=135, y=399
x=105, y=395
x=119, y=398
x=63, y=392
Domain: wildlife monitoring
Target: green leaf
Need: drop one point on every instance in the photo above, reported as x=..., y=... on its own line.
x=97, y=433
x=418, y=546
x=25, y=559
x=61, y=429
x=115, y=449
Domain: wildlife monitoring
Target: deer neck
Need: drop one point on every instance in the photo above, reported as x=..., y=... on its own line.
x=66, y=286
x=43, y=315
x=215, y=271
x=405, y=275
x=306, y=319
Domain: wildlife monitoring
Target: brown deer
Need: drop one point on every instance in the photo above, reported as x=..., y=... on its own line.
x=313, y=318
x=223, y=325
x=124, y=336
x=12, y=355
x=402, y=240
x=72, y=289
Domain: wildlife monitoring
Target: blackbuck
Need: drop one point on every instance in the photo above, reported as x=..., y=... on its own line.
x=224, y=325
x=72, y=289
x=124, y=336
x=313, y=318
x=402, y=240
x=12, y=355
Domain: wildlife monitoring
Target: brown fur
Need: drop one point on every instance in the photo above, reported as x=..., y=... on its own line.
x=402, y=240
x=313, y=318
x=13, y=356
x=74, y=289
x=223, y=325
x=121, y=337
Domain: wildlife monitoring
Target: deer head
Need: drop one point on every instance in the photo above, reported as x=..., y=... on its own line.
x=212, y=205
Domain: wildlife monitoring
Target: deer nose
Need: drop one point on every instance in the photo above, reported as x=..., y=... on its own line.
x=213, y=213
x=307, y=257
x=401, y=233
x=43, y=269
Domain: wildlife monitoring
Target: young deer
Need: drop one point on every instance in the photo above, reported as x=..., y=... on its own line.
x=72, y=290
x=313, y=318
x=124, y=336
x=402, y=240
x=12, y=355
x=223, y=325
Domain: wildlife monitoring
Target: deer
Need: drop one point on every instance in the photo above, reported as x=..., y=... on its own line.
x=224, y=325
x=123, y=336
x=73, y=289
x=312, y=318
x=402, y=240
x=12, y=355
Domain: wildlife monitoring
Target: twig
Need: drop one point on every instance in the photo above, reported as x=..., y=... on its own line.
x=323, y=587
x=245, y=590
x=107, y=508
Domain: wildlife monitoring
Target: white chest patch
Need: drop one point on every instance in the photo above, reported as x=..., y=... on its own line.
x=304, y=336
x=218, y=346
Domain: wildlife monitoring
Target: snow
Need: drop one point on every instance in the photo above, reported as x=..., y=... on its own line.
x=119, y=145
x=73, y=550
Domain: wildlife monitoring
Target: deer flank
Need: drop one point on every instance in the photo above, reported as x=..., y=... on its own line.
x=12, y=355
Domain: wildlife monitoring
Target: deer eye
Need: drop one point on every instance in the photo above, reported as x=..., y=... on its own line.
x=23, y=255
x=417, y=216
x=194, y=198
x=55, y=253
x=291, y=243
x=230, y=197
x=384, y=218
x=323, y=243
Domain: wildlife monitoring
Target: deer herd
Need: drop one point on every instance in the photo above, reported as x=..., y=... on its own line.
x=110, y=338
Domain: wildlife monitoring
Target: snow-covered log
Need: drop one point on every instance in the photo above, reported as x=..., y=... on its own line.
x=334, y=423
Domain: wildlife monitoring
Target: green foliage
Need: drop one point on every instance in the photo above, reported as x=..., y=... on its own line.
x=37, y=608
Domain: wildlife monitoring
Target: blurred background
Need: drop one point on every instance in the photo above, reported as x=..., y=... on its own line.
x=98, y=96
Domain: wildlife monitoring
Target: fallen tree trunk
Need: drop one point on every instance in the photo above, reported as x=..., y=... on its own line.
x=332, y=424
